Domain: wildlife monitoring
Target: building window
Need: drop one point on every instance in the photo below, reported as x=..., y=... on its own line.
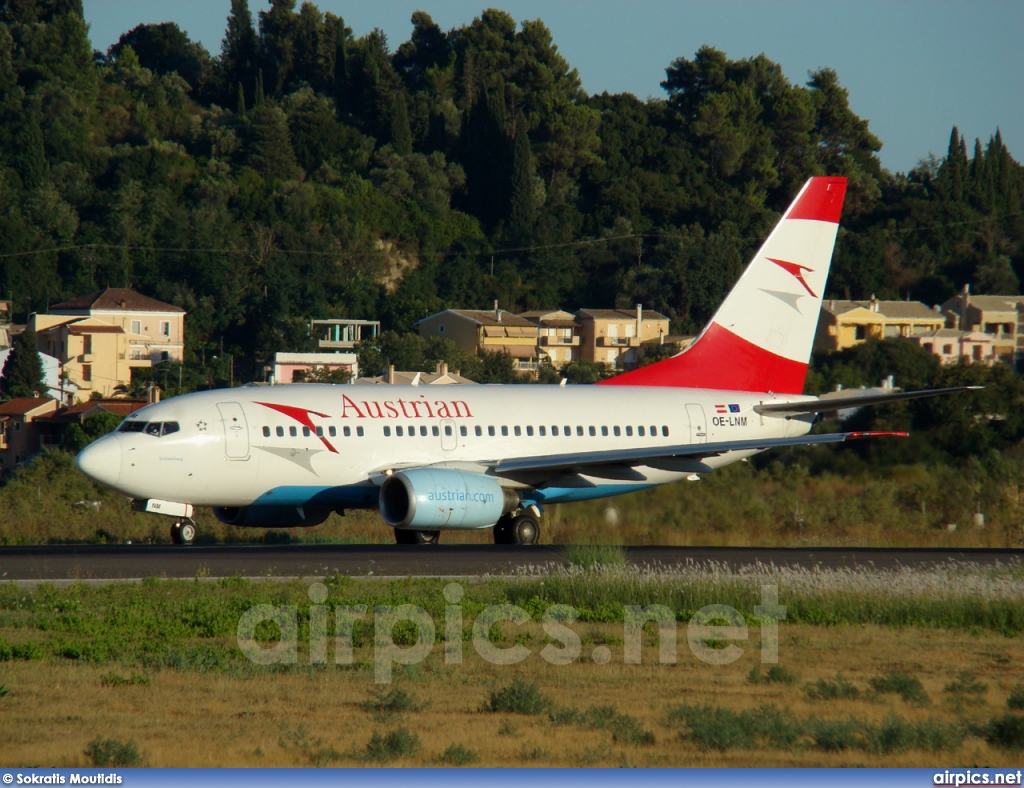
x=87, y=344
x=86, y=373
x=440, y=328
x=947, y=349
x=165, y=329
x=860, y=332
x=165, y=355
x=136, y=326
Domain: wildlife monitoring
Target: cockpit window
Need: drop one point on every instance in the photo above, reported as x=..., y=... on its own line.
x=155, y=428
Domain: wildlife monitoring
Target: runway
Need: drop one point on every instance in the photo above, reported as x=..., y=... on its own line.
x=69, y=563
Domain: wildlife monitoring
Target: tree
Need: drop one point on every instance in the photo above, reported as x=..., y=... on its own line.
x=322, y=374
x=22, y=374
x=238, y=52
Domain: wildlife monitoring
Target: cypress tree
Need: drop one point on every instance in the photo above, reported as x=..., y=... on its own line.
x=22, y=375
x=238, y=50
x=401, y=134
x=522, y=210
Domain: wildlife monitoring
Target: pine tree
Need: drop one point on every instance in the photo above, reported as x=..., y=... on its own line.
x=22, y=374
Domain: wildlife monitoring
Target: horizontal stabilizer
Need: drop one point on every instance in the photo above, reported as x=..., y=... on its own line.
x=830, y=404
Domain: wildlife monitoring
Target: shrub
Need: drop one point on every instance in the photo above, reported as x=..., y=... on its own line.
x=833, y=735
x=1006, y=732
x=391, y=746
x=385, y=705
x=903, y=684
x=714, y=728
x=1015, y=700
x=966, y=684
x=839, y=689
x=776, y=675
x=519, y=697
x=111, y=752
x=457, y=755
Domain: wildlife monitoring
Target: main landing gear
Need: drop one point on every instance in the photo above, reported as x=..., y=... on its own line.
x=183, y=531
x=519, y=527
x=415, y=536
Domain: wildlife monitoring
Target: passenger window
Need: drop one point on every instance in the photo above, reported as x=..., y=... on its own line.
x=518, y=431
x=654, y=431
x=293, y=431
x=616, y=431
x=554, y=430
x=568, y=432
x=593, y=431
x=399, y=432
x=529, y=432
x=332, y=431
x=305, y=432
x=153, y=428
x=478, y=430
x=280, y=432
x=387, y=432
x=543, y=430
x=423, y=432
x=172, y=426
x=266, y=432
x=664, y=432
x=435, y=431
x=319, y=432
x=629, y=432
x=347, y=431
x=579, y=431
x=463, y=432
x=490, y=431
x=604, y=432
x=359, y=432
x=504, y=431
x=640, y=431
x=447, y=431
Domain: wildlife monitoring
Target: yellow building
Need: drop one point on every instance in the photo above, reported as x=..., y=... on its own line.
x=100, y=338
x=843, y=324
x=1000, y=317
x=614, y=336
x=475, y=330
x=558, y=336
x=20, y=436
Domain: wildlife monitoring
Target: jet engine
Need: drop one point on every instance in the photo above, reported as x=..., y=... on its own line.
x=270, y=516
x=434, y=498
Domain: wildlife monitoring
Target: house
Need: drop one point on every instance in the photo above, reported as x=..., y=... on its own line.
x=20, y=433
x=285, y=365
x=100, y=338
x=613, y=336
x=952, y=344
x=843, y=324
x=558, y=336
x=61, y=390
x=440, y=377
x=341, y=334
x=475, y=330
x=1001, y=317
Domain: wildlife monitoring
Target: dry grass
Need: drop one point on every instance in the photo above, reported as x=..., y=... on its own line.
x=315, y=716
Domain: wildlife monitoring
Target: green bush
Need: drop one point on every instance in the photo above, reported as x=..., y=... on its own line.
x=839, y=689
x=903, y=684
x=386, y=705
x=111, y=752
x=458, y=755
x=392, y=746
x=1015, y=700
x=519, y=697
x=1006, y=732
x=833, y=735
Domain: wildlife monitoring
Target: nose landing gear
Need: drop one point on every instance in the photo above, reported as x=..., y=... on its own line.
x=183, y=531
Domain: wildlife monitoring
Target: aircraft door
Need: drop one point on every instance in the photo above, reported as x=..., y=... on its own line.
x=449, y=441
x=236, y=431
x=698, y=424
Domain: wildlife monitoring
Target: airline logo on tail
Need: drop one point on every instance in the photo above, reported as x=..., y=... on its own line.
x=761, y=336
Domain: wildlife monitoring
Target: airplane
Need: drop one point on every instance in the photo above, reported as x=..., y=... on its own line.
x=493, y=456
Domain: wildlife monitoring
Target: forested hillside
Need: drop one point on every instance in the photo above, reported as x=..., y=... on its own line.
x=302, y=172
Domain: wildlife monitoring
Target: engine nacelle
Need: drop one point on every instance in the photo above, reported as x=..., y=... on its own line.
x=429, y=499
x=270, y=516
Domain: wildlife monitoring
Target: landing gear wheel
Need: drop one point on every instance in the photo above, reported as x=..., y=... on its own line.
x=408, y=536
x=183, y=532
x=525, y=530
x=521, y=529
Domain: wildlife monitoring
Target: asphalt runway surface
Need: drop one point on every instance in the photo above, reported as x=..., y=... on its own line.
x=94, y=563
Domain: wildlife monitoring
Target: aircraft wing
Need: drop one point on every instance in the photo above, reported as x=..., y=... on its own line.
x=579, y=461
x=829, y=404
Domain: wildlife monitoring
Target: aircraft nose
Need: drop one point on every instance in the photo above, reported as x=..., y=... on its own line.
x=101, y=460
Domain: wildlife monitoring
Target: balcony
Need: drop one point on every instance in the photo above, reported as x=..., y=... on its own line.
x=618, y=341
x=573, y=341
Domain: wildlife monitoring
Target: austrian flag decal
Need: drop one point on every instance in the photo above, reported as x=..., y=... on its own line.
x=727, y=408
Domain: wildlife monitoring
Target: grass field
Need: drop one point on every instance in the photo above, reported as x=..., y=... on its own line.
x=904, y=669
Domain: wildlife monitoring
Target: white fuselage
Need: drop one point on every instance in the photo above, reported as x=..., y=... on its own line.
x=331, y=446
